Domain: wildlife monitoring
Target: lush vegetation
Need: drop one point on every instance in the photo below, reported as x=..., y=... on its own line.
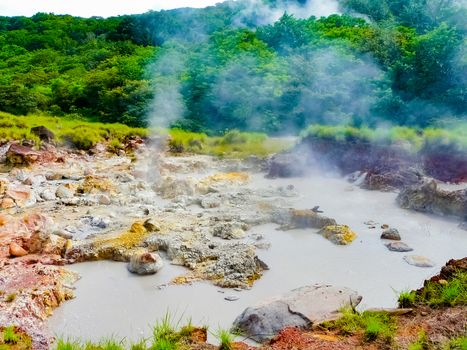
x=438, y=293
x=69, y=131
x=231, y=144
x=373, y=325
x=220, y=68
x=414, y=138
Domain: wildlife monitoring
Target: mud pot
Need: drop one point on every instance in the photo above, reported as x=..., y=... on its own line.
x=231, y=208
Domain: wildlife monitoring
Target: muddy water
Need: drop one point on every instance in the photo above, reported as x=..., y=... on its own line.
x=109, y=300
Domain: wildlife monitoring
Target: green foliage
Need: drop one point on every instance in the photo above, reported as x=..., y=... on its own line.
x=416, y=139
x=406, y=299
x=11, y=338
x=447, y=293
x=225, y=339
x=459, y=343
x=405, y=67
x=78, y=133
x=421, y=343
x=233, y=144
x=373, y=325
x=9, y=335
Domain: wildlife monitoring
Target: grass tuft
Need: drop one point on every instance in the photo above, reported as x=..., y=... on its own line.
x=421, y=343
x=406, y=298
x=225, y=339
x=373, y=325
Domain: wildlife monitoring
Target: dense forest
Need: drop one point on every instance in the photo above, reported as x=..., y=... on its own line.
x=240, y=65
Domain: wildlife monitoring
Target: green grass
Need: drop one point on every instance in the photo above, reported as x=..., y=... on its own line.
x=413, y=139
x=373, y=325
x=447, y=293
x=225, y=339
x=233, y=144
x=457, y=344
x=421, y=343
x=75, y=132
x=406, y=298
x=11, y=338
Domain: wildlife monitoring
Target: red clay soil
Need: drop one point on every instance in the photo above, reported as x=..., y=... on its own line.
x=31, y=286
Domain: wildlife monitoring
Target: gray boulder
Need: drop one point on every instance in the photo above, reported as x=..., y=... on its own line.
x=145, y=263
x=302, y=307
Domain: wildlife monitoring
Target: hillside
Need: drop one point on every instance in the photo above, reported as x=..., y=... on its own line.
x=228, y=66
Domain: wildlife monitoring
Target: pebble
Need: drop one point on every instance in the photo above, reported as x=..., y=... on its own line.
x=231, y=298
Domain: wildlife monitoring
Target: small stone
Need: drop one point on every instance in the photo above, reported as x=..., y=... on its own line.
x=7, y=203
x=231, y=298
x=384, y=226
x=63, y=192
x=145, y=263
x=48, y=195
x=370, y=223
x=443, y=282
x=418, y=260
x=151, y=225
x=17, y=250
x=398, y=247
x=424, y=313
x=104, y=199
x=392, y=234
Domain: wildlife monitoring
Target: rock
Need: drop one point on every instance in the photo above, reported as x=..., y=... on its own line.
x=63, y=192
x=48, y=195
x=16, y=250
x=392, y=234
x=4, y=183
x=231, y=298
x=151, y=226
x=229, y=230
x=398, y=247
x=95, y=184
x=104, y=199
x=43, y=133
x=384, y=226
x=21, y=196
x=21, y=155
x=419, y=261
x=391, y=179
x=7, y=203
x=210, y=202
x=338, y=234
x=145, y=263
x=306, y=218
x=427, y=197
x=288, y=164
x=35, y=181
x=299, y=308
x=171, y=187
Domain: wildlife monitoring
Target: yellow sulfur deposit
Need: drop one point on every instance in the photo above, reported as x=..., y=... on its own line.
x=94, y=184
x=127, y=240
x=339, y=234
x=240, y=178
